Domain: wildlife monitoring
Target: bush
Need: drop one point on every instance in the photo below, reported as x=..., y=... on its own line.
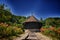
x=55, y=34
x=49, y=32
x=47, y=26
x=7, y=32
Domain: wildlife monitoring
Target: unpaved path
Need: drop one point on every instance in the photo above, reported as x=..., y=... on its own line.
x=40, y=36
x=34, y=35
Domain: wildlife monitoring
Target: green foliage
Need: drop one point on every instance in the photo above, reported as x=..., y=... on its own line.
x=6, y=32
x=14, y=22
x=52, y=22
x=53, y=34
x=47, y=26
x=7, y=17
x=1, y=6
x=49, y=32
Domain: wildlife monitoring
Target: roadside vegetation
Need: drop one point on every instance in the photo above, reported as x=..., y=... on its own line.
x=51, y=28
x=10, y=25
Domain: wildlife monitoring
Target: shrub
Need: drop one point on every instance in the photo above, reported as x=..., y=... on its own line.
x=52, y=32
x=7, y=32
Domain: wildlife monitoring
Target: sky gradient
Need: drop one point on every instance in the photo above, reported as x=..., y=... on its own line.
x=39, y=8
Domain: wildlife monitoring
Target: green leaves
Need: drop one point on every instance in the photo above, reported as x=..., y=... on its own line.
x=2, y=7
x=9, y=31
x=7, y=16
x=53, y=22
x=52, y=25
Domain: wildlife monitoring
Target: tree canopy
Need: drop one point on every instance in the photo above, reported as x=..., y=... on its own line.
x=8, y=17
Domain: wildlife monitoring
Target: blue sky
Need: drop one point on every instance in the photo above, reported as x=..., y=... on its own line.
x=39, y=8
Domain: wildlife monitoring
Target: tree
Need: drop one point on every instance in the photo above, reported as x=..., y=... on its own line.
x=2, y=7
